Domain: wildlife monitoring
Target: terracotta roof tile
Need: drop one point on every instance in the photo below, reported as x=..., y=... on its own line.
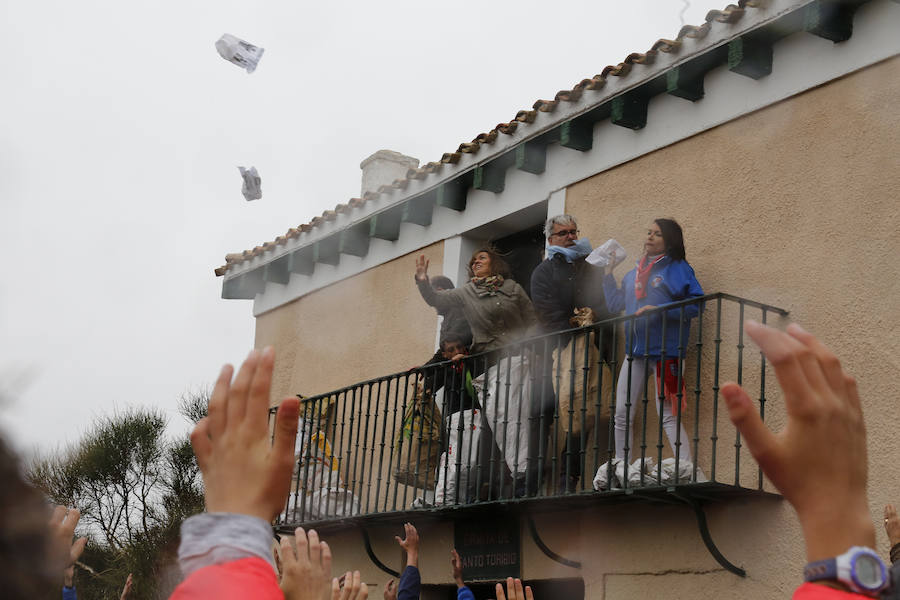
x=486, y=138
x=664, y=45
x=641, y=59
x=526, y=116
x=508, y=128
x=730, y=14
x=693, y=31
x=469, y=147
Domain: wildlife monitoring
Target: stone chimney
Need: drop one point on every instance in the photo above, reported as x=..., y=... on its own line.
x=383, y=167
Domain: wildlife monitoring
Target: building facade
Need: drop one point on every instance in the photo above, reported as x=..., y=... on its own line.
x=770, y=134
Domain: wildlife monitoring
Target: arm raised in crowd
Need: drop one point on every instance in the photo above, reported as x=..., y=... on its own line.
x=307, y=572
x=818, y=461
x=462, y=590
x=410, y=580
x=225, y=553
x=442, y=300
x=66, y=552
x=514, y=590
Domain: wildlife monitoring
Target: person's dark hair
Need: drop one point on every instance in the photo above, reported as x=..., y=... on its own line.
x=441, y=281
x=28, y=564
x=673, y=237
x=451, y=336
x=498, y=265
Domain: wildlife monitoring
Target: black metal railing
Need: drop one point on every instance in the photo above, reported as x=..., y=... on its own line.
x=538, y=418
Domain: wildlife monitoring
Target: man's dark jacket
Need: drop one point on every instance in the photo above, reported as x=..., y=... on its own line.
x=559, y=287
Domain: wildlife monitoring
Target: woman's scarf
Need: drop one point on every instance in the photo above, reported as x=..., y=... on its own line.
x=489, y=284
x=642, y=275
x=581, y=249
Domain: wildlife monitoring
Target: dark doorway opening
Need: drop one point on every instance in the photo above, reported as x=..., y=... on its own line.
x=523, y=251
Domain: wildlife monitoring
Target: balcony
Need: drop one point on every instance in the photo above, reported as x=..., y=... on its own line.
x=469, y=436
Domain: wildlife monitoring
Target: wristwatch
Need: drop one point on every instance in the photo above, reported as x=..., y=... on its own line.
x=859, y=568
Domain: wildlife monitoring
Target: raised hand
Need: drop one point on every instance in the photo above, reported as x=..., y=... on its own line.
x=65, y=551
x=352, y=589
x=456, y=566
x=307, y=573
x=127, y=589
x=390, y=590
x=892, y=524
x=410, y=544
x=514, y=590
x=242, y=471
x=818, y=461
x=422, y=267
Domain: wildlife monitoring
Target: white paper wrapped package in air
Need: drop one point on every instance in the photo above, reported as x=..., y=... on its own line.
x=610, y=249
x=252, y=187
x=237, y=51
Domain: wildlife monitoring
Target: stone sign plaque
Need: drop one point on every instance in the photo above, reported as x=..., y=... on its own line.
x=489, y=549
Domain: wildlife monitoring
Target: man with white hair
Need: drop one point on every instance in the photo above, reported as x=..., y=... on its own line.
x=561, y=284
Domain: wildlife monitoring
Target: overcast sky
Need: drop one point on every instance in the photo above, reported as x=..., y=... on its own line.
x=120, y=135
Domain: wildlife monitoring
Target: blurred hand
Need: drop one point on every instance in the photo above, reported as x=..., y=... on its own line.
x=456, y=566
x=242, y=472
x=64, y=551
x=644, y=309
x=892, y=524
x=390, y=590
x=422, y=267
x=352, y=589
x=514, y=590
x=410, y=544
x=127, y=588
x=307, y=572
x=818, y=461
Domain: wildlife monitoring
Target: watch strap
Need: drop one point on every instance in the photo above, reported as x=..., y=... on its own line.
x=821, y=569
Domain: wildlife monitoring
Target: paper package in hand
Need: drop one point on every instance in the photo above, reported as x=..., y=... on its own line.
x=600, y=256
x=237, y=51
x=252, y=188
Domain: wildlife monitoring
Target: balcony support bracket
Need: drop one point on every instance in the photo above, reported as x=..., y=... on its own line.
x=371, y=553
x=707, y=538
x=550, y=553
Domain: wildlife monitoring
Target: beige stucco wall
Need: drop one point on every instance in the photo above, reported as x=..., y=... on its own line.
x=372, y=324
x=794, y=205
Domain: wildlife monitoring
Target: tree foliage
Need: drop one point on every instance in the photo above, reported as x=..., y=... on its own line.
x=134, y=487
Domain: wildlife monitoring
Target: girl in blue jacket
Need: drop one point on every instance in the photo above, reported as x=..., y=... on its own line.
x=662, y=276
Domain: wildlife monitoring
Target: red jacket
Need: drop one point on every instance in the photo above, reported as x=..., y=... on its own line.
x=235, y=580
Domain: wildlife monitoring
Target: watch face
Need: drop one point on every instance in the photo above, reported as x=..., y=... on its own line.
x=867, y=571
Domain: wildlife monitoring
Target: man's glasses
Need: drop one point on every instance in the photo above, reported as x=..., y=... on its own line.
x=566, y=233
